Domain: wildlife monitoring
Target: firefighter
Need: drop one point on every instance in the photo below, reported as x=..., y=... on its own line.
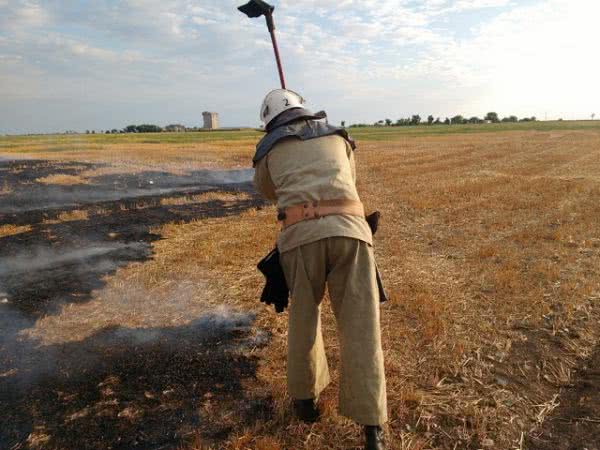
x=306, y=167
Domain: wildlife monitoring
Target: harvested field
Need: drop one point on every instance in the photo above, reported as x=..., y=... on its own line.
x=130, y=314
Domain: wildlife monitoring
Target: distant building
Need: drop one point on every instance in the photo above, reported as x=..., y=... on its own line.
x=175, y=128
x=211, y=120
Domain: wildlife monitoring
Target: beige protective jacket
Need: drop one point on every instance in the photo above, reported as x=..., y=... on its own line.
x=296, y=171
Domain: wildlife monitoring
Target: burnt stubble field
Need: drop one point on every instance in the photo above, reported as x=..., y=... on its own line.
x=61, y=241
x=129, y=314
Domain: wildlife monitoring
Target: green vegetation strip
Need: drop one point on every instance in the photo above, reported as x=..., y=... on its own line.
x=57, y=140
x=381, y=133
x=384, y=133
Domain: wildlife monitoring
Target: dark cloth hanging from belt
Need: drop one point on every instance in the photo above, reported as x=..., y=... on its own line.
x=276, y=291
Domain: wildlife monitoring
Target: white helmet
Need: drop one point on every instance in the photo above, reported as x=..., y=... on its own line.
x=278, y=101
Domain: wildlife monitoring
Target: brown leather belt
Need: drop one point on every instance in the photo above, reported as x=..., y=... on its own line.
x=313, y=210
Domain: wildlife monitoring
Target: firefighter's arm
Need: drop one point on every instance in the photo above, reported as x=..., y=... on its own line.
x=263, y=181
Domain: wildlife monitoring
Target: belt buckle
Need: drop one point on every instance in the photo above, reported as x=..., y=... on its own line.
x=316, y=207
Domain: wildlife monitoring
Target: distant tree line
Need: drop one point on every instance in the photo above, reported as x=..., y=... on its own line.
x=414, y=120
x=147, y=128
x=144, y=128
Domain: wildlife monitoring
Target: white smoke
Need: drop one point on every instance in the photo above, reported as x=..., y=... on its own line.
x=41, y=258
x=36, y=198
x=24, y=356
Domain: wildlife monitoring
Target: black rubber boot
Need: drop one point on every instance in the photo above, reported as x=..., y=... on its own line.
x=374, y=438
x=307, y=410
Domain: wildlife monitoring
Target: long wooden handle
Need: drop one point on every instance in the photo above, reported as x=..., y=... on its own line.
x=271, y=26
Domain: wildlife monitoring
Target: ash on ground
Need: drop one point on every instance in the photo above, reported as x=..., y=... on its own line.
x=71, y=381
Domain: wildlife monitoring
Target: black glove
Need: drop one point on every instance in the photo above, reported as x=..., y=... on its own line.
x=373, y=221
x=276, y=291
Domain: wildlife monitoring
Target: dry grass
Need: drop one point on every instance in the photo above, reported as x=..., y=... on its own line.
x=62, y=179
x=5, y=188
x=133, y=299
x=139, y=157
x=68, y=216
x=11, y=230
x=224, y=197
x=489, y=246
x=127, y=158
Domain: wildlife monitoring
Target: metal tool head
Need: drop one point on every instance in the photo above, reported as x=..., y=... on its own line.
x=257, y=8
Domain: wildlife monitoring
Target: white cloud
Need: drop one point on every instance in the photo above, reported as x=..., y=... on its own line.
x=535, y=58
x=361, y=60
x=21, y=17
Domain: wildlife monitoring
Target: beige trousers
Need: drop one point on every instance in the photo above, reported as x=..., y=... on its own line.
x=347, y=266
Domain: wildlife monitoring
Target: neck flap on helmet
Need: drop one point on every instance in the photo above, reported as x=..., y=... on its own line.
x=291, y=115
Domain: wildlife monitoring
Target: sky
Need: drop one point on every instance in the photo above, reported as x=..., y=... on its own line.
x=103, y=64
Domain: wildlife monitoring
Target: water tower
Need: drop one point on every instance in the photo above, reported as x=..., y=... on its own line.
x=211, y=120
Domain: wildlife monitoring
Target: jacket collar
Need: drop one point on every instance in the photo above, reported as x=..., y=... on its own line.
x=292, y=115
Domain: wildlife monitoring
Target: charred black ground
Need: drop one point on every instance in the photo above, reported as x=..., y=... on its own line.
x=28, y=195
x=575, y=424
x=118, y=388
